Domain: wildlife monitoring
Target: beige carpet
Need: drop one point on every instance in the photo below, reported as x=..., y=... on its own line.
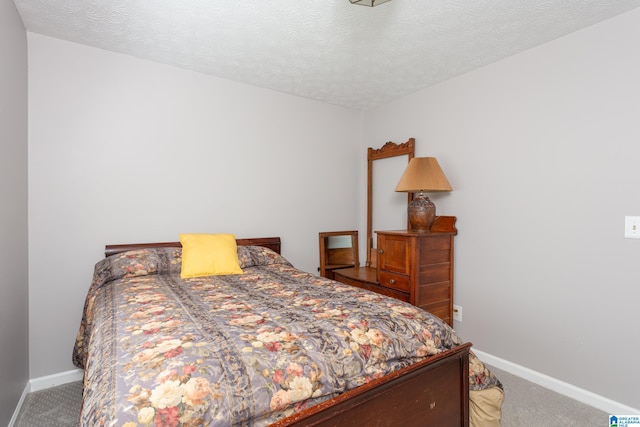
x=529, y=405
x=526, y=405
x=54, y=407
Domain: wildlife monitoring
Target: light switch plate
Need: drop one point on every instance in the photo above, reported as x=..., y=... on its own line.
x=632, y=227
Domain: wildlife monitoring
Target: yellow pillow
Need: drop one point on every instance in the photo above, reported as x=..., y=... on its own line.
x=209, y=255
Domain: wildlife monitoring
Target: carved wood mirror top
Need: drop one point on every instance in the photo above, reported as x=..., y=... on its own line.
x=390, y=149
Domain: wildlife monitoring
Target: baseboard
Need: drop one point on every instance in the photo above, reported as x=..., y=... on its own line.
x=56, y=379
x=14, y=418
x=604, y=404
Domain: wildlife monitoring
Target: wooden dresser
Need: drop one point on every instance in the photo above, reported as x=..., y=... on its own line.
x=415, y=267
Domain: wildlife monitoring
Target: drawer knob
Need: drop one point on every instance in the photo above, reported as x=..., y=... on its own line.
x=380, y=251
x=392, y=281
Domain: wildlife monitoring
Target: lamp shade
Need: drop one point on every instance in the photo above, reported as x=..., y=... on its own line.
x=423, y=174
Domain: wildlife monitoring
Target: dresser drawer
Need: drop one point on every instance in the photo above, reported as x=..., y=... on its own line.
x=393, y=280
x=373, y=287
x=402, y=296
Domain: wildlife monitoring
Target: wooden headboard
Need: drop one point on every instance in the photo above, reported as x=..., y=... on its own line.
x=272, y=243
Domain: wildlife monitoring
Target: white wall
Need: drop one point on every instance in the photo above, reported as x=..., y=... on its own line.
x=126, y=150
x=14, y=309
x=542, y=151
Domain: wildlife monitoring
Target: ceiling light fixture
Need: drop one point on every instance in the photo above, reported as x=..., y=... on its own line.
x=368, y=2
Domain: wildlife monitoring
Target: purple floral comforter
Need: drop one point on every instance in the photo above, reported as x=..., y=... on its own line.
x=240, y=349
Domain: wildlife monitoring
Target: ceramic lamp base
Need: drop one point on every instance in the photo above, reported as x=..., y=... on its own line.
x=421, y=213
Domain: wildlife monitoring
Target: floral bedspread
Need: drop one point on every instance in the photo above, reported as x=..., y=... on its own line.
x=236, y=350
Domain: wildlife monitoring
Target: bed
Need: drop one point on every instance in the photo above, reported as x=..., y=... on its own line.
x=271, y=346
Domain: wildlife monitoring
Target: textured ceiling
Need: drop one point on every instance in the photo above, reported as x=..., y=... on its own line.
x=329, y=50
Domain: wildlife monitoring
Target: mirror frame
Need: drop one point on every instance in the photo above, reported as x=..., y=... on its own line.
x=390, y=149
x=350, y=257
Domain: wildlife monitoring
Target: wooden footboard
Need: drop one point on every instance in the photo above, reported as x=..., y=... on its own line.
x=434, y=392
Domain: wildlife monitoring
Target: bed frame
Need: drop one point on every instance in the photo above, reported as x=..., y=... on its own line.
x=433, y=392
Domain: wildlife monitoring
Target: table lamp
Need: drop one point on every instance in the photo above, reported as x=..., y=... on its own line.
x=423, y=174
